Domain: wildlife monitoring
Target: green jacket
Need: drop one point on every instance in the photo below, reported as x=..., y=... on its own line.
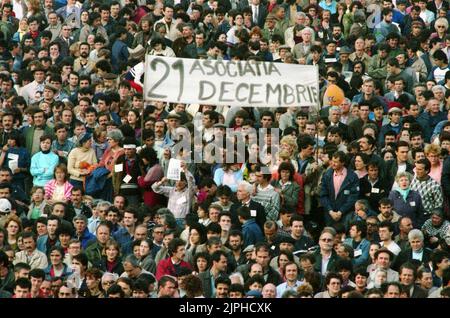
x=29, y=134
x=331, y=267
x=377, y=67
x=94, y=252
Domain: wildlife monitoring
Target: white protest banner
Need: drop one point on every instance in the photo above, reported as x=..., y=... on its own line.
x=230, y=83
x=174, y=169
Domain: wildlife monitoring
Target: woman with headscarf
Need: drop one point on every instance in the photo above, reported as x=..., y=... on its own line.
x=406, y=202
x=81, y=160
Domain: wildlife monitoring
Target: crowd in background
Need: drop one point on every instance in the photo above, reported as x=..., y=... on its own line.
x=354, y=201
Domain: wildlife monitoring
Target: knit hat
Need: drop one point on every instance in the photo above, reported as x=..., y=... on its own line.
x=438, y=212
x=83, y=138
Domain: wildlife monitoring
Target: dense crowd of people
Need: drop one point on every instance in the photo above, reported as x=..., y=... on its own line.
x=352, y=200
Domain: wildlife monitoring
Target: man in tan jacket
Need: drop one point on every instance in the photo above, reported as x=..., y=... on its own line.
x=31, y=255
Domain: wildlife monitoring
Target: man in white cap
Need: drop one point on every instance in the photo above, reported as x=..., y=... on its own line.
x=127, y=169
x=5, y=210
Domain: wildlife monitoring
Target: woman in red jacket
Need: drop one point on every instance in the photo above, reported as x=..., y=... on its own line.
x=154, y=174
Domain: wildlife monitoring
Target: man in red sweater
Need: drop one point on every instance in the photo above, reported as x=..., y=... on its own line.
x=171, y=265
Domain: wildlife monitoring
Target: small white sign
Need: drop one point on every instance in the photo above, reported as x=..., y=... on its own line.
x=13, y=156
x=13, y=165
x=181, y=200
x=127, y=178
x=253, y=213
x=174, y=169
x=118, y=167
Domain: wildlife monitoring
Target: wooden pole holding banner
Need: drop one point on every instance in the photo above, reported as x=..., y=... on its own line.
x=318, y=114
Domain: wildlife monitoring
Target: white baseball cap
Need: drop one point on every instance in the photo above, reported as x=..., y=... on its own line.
x=5, y=206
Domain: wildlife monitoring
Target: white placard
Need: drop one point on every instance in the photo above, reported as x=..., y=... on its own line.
x=118, y=167
x=127, y=178
x=174, y=169
x=230, y=83
x=13, y=165
x=13, y=156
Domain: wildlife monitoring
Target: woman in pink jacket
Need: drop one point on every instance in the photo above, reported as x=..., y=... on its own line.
x=59, y=189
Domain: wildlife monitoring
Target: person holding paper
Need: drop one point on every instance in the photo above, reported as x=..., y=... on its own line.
x=180, y=196
x=16, y=158
x=43, y=163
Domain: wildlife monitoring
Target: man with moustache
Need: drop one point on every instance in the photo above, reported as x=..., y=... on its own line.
x=83, y=65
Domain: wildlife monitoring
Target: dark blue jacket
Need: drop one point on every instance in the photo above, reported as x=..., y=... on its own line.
x=96, y=180
x=23, y=161
x=251, y=232
x=119, y=54
x=411, y=208
x=347, y=196
x=428, y=122
x=85, y=238
x=122, y=236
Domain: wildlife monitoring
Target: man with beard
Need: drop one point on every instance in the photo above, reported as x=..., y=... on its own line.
x=235, y=241
x=8, y=129
x=142, y=37
x=83, y=65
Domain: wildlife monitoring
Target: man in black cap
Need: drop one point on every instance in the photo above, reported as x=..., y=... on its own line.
x=344, y=53
x=110, y=82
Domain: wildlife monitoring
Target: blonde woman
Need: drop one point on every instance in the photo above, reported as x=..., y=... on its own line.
x=34, y=10
x=23, y=29
x=289, y=143
x=433, y=154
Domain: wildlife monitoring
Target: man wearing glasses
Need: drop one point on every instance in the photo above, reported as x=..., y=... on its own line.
x=325, y=256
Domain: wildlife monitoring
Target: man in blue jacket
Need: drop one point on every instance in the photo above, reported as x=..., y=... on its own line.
x=120, y=54
x=250, y=230
x=361, y=246
x=340, y=189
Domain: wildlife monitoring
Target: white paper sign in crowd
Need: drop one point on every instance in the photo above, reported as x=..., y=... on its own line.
x=230, y=83
x=174, y=169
